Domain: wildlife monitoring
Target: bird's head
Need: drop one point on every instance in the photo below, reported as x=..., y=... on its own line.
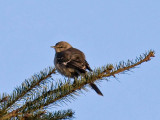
x=61, y=46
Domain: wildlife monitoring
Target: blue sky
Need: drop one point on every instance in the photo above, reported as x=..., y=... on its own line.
x=106, y=31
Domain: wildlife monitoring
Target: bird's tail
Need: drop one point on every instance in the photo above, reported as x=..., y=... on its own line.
x=96, y=89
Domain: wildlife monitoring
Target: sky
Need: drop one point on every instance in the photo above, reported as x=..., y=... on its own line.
x=106, y=31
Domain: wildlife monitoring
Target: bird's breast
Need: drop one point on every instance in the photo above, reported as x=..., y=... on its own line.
x=63, y=69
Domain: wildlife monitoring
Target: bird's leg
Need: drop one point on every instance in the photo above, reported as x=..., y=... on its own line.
x=69, y=80
x=75, y=80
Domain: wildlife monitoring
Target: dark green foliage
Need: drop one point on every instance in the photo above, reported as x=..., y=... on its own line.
x=41, y=115
x=31, y=99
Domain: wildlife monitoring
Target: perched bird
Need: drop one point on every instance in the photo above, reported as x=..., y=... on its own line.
x=71, y=62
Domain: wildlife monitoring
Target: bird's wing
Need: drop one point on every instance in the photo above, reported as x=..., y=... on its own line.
x=73, y=58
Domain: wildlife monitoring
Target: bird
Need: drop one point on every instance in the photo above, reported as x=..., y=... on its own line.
x=71, y=62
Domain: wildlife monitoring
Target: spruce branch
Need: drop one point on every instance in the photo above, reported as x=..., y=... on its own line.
x=43, y=115
x=28, y=86
x=68, y=90
x=59, y=115
x=62, y=92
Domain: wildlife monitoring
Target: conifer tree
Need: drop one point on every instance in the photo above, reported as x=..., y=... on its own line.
x=30, y=100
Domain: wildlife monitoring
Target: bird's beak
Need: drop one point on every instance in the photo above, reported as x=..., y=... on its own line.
x=53, y=47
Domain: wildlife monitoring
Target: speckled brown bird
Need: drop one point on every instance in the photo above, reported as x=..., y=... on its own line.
x=71, y=62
